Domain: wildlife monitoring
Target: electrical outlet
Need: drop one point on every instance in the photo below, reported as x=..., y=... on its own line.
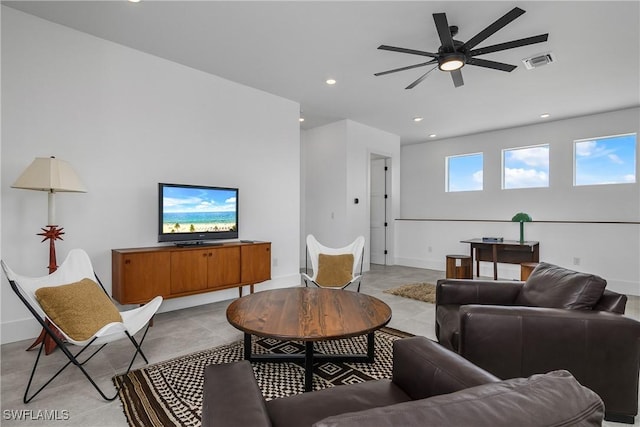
x=576, y=261
x=429, y=249
x=275, y=262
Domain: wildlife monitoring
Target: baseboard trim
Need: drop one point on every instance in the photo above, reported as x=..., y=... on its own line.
x=624, y=287
x=512, y=272
x=18, y=330
x=505, y=271
x=29, y=328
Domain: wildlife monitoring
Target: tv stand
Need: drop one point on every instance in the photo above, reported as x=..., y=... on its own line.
x=140, y=274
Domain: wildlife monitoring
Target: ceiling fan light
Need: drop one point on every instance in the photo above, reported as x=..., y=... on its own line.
x=451, y=62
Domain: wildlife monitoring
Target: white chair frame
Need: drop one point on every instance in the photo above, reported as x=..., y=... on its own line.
x=76, y=267
x=315, y=248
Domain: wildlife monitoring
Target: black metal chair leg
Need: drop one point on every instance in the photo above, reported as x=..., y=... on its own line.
x=104, y=396
x=90, y=357
x=26, y=399
x=138, y=347
x=73, y=359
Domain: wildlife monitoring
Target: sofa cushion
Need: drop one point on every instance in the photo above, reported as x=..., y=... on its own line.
x=554, y=399
x=334, y=270
x=552, y=286
x=307, y=408
x=79, y=309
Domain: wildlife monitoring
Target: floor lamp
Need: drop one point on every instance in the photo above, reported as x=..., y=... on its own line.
x=53, y=176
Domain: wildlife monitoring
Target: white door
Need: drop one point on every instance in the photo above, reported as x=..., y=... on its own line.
x=379, y=209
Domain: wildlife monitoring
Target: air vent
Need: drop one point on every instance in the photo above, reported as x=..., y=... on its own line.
x=538, y=60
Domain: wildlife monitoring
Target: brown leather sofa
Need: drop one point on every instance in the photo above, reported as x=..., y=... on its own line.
x=430, y=385
x=557, y=319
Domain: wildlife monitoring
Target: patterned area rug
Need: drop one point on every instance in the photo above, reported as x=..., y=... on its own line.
x=170, y=393
x=421, y=291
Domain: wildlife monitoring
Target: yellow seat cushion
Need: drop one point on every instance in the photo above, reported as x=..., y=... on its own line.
x=80, y=309
x=334, y=270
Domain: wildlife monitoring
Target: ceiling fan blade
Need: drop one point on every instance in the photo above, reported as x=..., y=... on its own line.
x=421, y=78
x=510, y=45
x=405, y=68
x=491, y=64
x=442, y=25
x=491, y=29
x=410, y=51
x=456, y=75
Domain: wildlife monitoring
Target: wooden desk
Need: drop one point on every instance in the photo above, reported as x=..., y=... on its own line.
x=508, y=251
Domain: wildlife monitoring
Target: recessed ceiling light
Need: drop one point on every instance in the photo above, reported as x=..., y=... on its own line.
x=301, y=119
x=433, y=135
x=134, y=1
x=417, y=119
x=331, y=81
x=545, y=115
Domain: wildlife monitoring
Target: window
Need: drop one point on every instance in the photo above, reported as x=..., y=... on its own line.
x=608, y=160
x=525, y=167
x=464, y=173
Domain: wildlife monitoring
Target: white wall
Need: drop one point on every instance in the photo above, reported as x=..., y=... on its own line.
x=610, y=250
x=362, y=142
x=125, y=121
x=336, y=165
x=325, y=177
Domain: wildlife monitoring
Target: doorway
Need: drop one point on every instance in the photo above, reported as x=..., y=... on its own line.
x=380, y=208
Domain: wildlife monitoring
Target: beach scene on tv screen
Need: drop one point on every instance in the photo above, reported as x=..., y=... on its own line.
x=196, y=210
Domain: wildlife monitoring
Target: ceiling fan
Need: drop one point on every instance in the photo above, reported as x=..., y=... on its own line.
x=453, y=54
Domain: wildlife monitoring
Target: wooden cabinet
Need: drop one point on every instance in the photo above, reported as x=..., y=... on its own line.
x=253, y=272
x=223, y=269
x=138, y=277
x=139, y=274
x=189, y=271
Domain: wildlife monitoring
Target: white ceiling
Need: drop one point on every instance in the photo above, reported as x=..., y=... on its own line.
x=290, y=48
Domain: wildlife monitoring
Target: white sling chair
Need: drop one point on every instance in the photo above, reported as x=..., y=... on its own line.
x=76, y=267
x=324, y=258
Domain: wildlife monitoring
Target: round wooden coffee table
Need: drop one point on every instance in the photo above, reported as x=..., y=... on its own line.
x=309, y=315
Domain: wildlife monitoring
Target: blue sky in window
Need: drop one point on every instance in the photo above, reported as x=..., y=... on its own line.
x=609, y=160
x=465, y=172
x=526, y=167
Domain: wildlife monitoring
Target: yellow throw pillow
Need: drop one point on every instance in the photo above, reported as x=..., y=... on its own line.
x=334, y=270
x=80, y=309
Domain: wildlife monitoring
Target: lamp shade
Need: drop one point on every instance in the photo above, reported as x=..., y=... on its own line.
x=521, y=217
x=50, y=174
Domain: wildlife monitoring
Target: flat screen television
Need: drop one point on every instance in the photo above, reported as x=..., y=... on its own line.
x=193, y=214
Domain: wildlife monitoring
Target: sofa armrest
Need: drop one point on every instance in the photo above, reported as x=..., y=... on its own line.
x=232, y=397
x=611, y=301
x=464, y=291
x=600, y=349
x=423, y=368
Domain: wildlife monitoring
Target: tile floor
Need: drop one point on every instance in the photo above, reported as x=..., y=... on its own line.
x=174, y=334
